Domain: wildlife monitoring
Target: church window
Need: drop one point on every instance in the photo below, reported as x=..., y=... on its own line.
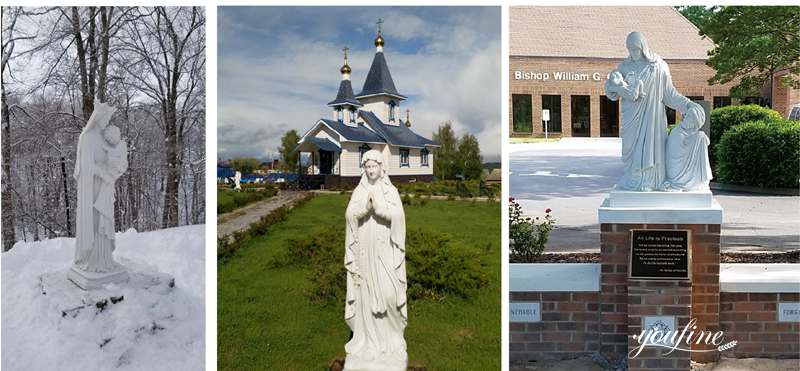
x=404, y=157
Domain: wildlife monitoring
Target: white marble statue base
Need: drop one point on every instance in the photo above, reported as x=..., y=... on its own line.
x=658, y=207
x=355, y=363
x=95, y=280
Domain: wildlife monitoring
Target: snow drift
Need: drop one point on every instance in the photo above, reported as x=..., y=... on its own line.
x=48, y=323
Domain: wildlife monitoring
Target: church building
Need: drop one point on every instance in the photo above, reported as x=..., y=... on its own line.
x=368, y=120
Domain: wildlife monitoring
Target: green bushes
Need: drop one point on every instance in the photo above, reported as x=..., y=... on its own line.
x=228, y=201
x=764, y=154
x=527, y=236
x=724, y=118
x=471, y=188
x=435, y=266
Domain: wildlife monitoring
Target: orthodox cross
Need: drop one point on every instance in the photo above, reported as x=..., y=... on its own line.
x=379, y=23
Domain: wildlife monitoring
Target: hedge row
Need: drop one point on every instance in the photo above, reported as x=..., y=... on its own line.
x=724, y=118
x=763, y=153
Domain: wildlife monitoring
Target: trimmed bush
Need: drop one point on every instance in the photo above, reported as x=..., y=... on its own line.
x=763, y=154
x=435, y=266
x=724, y=118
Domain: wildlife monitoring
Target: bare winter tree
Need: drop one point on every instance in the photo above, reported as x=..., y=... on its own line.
x=147, y=62
x=170, y=44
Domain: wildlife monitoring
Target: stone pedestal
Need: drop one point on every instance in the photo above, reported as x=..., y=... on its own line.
x=95, y=280
x=625, y=302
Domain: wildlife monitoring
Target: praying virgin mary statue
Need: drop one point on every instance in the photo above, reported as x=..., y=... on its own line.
x=644, y=84
x=101, y=159
x=376, y=307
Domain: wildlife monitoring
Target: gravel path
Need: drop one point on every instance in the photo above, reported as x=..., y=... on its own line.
x=574, y=175
x=240, y=219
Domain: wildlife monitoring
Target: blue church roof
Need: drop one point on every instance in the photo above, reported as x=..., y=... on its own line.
x=399, y=135
x=345, y=95
x=379, y=79
x=357, y=133
x=325, y=144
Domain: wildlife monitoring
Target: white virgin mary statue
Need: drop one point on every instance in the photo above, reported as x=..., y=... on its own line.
x=100, y=161
x=376, y=307
x=646, y=90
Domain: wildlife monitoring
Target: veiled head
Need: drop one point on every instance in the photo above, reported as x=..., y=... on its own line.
x=694, y=118
x=372, y=161
x=637, y=47
x=102, y=114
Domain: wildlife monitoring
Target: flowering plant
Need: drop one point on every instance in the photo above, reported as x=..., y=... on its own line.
x=527, y=236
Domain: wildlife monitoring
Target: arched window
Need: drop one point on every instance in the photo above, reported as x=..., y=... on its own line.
x=339, y=114
x=353, y=115
x=423, y=157
x=392, y=109
x=361, y=151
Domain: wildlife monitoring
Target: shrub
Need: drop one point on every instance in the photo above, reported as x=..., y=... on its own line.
x=434, y=265
x=762, y=154
x=724, y=118
x=527, y=236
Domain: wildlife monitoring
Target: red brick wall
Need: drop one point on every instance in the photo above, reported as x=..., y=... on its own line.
x=568, y=328
x=752, y=320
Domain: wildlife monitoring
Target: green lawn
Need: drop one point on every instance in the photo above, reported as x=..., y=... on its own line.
x=266, y=322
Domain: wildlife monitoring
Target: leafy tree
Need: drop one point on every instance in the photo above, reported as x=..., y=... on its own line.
x=288, y=151
x=697, y=14
x=752, y=43
x=469, y=157
x=444, y=157
x=245, y=165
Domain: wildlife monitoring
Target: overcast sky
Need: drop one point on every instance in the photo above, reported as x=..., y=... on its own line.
x=279, y=67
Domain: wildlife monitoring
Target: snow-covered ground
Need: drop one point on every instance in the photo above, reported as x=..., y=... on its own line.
x=50, y=324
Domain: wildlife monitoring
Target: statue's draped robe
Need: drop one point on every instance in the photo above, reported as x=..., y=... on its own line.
x=644, y=123
x=94, y=225
x=375, y=308
x=687, y=159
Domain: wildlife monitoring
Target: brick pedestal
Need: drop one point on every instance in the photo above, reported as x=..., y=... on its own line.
x=657, y=298
x=624, y=302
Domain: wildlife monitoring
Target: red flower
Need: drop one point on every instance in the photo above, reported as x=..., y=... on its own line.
x=511, y=199
x=547, y=210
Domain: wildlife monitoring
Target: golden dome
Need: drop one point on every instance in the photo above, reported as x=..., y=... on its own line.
x=379, y=41
x=345, y=69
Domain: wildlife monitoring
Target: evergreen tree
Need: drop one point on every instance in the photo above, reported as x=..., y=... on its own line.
x=288, y=152
x=470, y=163
x=444, y=157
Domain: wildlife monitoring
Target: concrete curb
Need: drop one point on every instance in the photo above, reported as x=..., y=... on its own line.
x=757, y=190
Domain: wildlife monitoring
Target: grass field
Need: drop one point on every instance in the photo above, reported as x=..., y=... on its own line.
x=266, y=322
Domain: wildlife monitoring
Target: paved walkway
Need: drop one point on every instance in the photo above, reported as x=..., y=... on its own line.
x=241, y=218
x=573, y=176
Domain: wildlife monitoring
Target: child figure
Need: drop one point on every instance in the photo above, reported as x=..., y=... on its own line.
x=617, y=83
x=116, y=164
x=688, y=168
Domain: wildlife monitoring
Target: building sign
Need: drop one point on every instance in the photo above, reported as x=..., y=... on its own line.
x=524, y=312
x=660, y=254
x=546, y=115
x=558, y=76
x=788, y=312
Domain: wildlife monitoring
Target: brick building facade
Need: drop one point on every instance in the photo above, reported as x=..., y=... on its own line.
x=560, y=57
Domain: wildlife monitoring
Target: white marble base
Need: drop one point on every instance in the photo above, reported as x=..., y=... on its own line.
x=95, y=280
x=355, y=363
x=657, y=199
x=629, y=207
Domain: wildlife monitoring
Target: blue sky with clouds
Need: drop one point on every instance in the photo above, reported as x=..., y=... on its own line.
x=279, y=66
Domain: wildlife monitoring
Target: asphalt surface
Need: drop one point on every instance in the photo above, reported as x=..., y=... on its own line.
x=574, y=175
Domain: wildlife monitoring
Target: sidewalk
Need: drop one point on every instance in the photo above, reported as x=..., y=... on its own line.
x=240, y=219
